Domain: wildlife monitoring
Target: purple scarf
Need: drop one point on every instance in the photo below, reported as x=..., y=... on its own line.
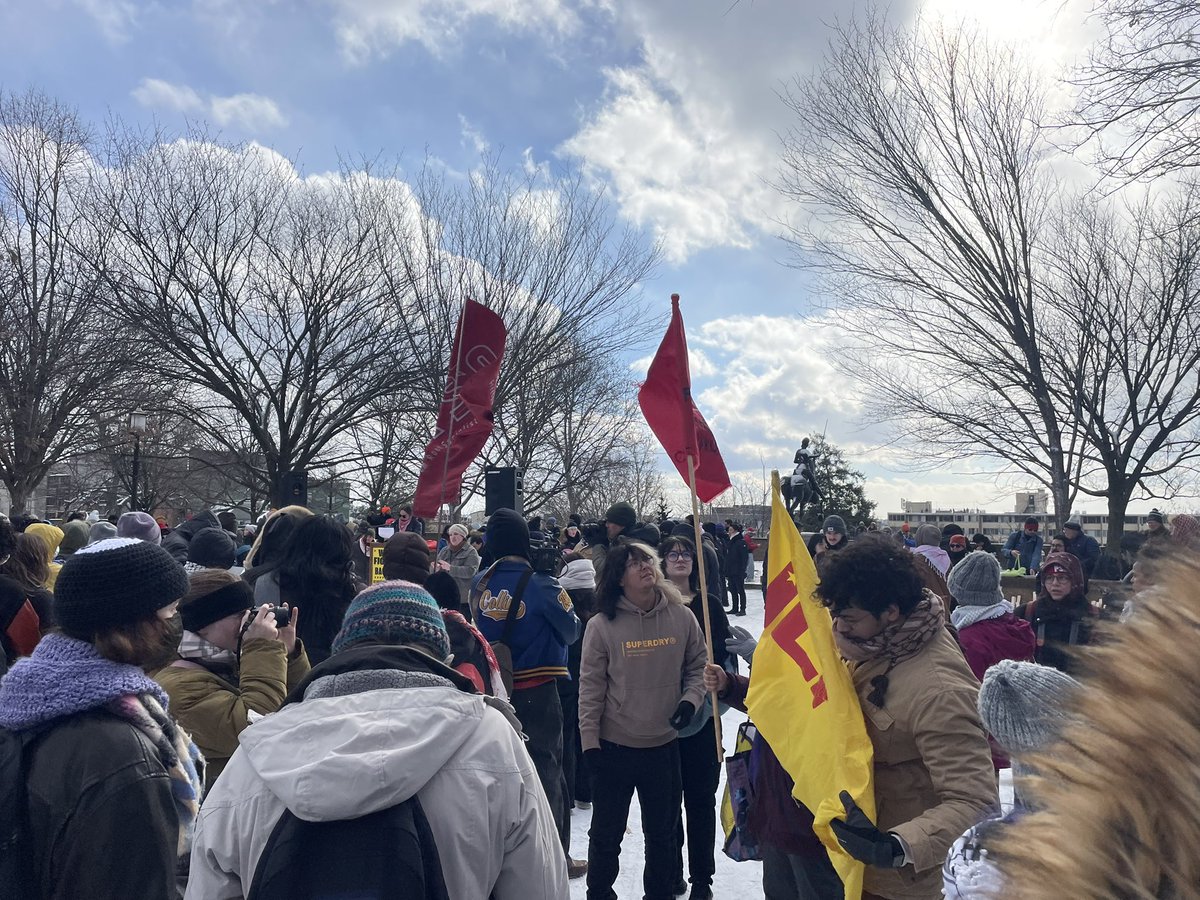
x=65, y=676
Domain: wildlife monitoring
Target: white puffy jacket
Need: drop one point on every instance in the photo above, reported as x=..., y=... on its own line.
x=346, y=756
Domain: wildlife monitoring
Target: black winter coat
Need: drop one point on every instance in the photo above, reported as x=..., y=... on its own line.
x=738, y=559
x=176, y=543
x=102, y=819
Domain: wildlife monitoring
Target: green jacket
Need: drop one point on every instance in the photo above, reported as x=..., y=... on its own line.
x=214, y=711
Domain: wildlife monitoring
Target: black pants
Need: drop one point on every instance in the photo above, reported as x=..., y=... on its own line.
x=570, y=745
x=737, y=590
x=790, y=877
x=540, y=713
x=654, y=773
x=701, y=772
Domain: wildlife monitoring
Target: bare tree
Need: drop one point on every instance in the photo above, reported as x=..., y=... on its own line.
x=1128, y=284
x=63, y=359
x=1140, y=90
x=919, y=166
x=265, y=290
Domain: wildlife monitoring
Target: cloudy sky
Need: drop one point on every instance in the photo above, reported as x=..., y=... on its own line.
x=671, y=104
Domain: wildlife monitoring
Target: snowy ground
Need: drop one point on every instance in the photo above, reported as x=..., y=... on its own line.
x=733, y=879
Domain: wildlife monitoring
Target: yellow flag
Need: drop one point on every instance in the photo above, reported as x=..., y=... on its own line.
x=802, y=697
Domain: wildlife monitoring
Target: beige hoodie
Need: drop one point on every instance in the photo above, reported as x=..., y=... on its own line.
x=635, y=669
x=52, y=536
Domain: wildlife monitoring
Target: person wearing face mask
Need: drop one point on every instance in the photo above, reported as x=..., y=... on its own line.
x=933, y=768
x=112, y=783
x=233, y=666
x=1060, y=615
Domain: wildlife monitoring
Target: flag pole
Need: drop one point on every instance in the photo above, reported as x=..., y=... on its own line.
x=716, y=709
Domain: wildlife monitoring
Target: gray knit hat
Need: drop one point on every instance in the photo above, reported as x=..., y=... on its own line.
x=975, y=581
x=929, y=536
x=139, y=525
x=1025, y=706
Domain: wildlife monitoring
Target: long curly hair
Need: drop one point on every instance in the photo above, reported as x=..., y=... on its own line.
x=609, y=590
x=1119, y=795
x=316, y=574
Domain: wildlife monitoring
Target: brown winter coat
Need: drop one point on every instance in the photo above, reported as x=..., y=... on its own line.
x=215, y=712
x=933, y=769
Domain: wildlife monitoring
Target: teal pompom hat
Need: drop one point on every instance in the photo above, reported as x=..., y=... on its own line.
x=394, y=612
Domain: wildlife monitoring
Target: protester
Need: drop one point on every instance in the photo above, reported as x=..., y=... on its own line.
x=405, y=521
x=112, y=784
x=27, y=565
x=735, y=568
x=1023, y=549
x=50, y=537
x=1058, y=544
x=1125, y=789
x=578, y=579
x=988, y=632
x=1025, y=706
x=700, y=767
x=619, y=517
x=640, y=684
x=713, y=576
x=20, y=629
x=1156, y=526
x=1185, y=532
x=1083, y=547
x=265, y=555
x=232, y=666
x=1060, y=614
x=570, y=536
x=210, y=548
x=75, y=535
x=472, y=654
x=928, y=545
x=542, y=627
x=831, y=537
x=933, y=771
x=101, y=531
x=460, y=560
x=406, y=557
x=315, y=574
x=956, y=549
x=176, y=543
x=382, y=721
x=140, y=525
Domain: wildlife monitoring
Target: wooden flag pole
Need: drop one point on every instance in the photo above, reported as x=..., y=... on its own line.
x=716, y=709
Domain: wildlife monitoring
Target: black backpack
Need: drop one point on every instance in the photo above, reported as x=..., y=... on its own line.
x=17, y=878
x=387, y=855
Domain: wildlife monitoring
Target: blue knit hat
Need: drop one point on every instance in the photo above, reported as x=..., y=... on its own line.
x=394, y=612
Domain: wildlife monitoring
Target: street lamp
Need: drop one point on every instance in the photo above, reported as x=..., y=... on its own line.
x=137, y=427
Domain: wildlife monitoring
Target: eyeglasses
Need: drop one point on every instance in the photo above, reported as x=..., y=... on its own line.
x=677, y=555
x=1056, y=577
x=634, y=561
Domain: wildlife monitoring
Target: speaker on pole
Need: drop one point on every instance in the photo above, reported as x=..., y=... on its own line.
x=503, y=488
x=293, y=487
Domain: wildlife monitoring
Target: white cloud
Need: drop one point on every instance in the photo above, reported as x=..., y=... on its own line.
x=472, y=136
x=115, y=18
x=678, y=167
x=370, y=28
x=250, y=112
x=155, y=93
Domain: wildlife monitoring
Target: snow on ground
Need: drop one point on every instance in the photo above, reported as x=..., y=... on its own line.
x=733, y=879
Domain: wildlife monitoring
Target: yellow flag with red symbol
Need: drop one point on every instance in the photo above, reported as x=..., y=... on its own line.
x=802, y=698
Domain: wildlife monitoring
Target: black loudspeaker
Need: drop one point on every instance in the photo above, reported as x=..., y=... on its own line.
x=293, y=487
x=503, y=488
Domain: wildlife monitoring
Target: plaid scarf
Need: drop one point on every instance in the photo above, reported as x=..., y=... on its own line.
x=897, y=642
x=178, y=754
x=221, y=662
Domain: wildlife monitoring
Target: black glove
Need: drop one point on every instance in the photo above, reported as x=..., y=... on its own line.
x=861, y=839
x=683, y=714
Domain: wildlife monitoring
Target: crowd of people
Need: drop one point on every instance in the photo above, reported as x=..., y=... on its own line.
x=223, y=711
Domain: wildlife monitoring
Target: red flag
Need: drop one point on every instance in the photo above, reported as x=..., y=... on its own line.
x=666, y=401
x=465, y=417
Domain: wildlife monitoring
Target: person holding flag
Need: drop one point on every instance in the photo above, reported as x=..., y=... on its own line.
x=932, y=766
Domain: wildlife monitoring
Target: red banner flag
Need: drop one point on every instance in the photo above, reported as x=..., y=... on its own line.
x=465, y=417
x=666, y=401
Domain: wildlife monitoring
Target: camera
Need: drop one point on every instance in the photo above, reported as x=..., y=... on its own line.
x=593, y=533
x=283, y=615
x=545, y=555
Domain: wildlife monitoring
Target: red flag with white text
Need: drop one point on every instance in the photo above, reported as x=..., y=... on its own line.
x=666, y=401
x=465, y=416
